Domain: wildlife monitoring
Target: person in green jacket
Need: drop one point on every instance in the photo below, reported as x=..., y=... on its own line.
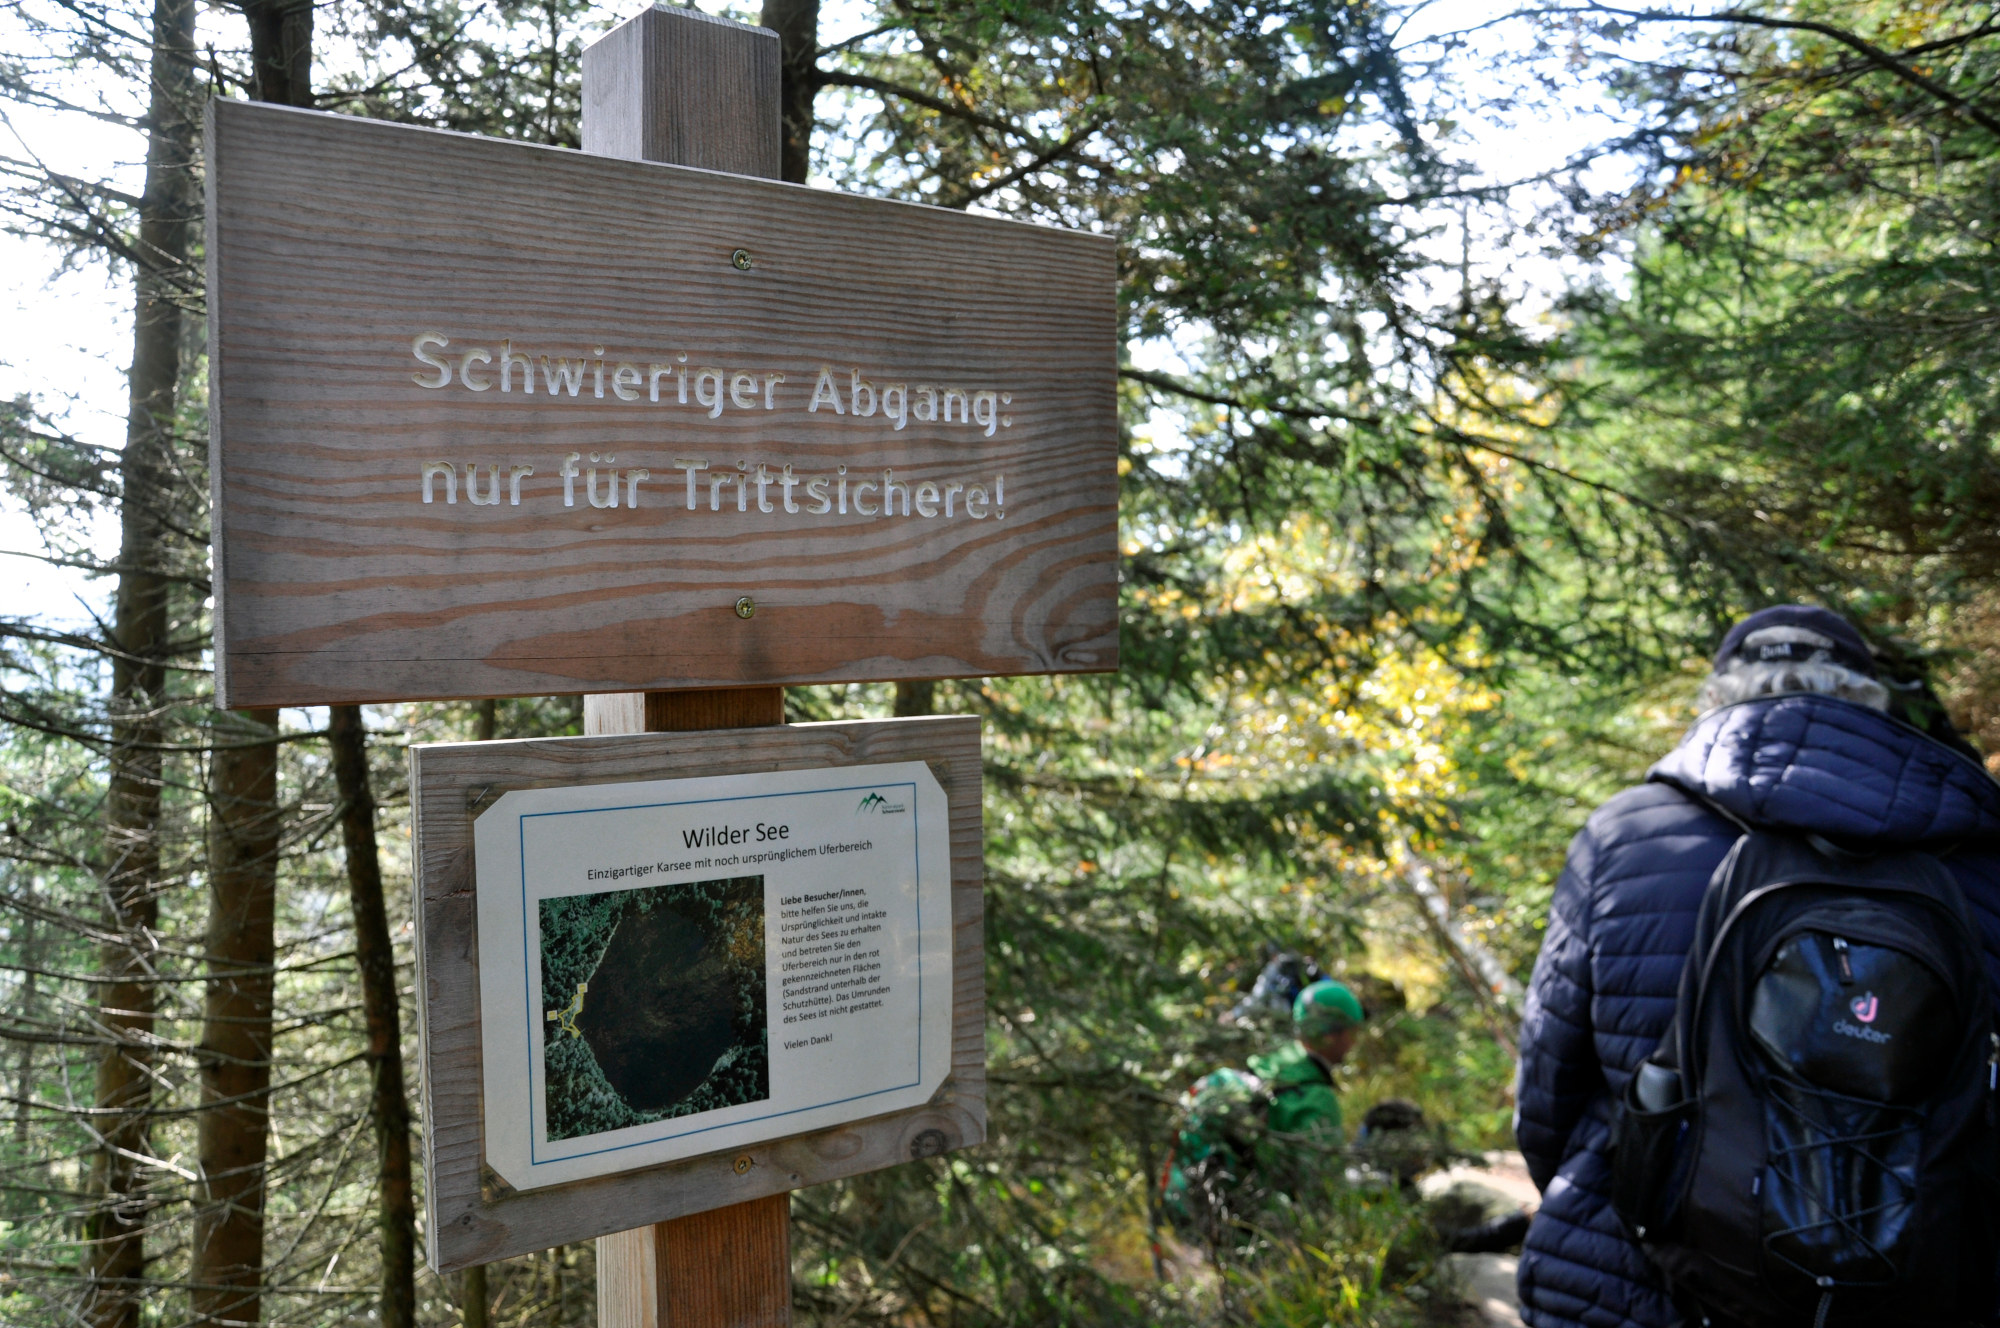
x=1326, y=1019
x=1276, y=1126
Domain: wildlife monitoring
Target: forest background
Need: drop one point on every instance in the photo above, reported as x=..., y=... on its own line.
x=1480, y=364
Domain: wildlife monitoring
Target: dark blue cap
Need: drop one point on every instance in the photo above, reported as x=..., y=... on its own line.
x=1848, y=648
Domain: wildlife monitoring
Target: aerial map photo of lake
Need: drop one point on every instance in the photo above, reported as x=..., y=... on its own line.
x=653, y=1004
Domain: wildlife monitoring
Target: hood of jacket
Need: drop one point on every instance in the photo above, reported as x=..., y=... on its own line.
x=1814, y=764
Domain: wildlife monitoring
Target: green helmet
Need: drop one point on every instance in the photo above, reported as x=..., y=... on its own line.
x=1325, y=1007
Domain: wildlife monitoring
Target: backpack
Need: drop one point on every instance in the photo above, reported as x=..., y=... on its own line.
x=1214, y=1151
x=1278, y=984
x=1813, y=1140
x=1222, y=1115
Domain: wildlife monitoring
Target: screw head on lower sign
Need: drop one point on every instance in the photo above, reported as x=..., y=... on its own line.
x=744, y=1163
x=746, y=607
x=741, y=260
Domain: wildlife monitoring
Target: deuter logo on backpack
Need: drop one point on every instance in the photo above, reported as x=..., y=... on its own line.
x=1865, y=1008
x=1813, y=1141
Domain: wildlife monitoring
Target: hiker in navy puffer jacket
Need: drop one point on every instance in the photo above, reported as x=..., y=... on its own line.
x=1795, y=736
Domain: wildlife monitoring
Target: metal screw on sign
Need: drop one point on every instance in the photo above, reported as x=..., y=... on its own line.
x=746, y=607
x=741, y=258
x=744, y=1163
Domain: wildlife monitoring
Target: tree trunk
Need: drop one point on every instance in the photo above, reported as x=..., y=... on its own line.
x=797, y=24
x=915, y=698
x=396, y=1212
x=31, y=960
x=115, y=1226
x=233, y=1135
x=235, y=1056
x=281, y=33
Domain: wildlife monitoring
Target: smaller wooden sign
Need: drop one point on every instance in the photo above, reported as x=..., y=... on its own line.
x=664, y=973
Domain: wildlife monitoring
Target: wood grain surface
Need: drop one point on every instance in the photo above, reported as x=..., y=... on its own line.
x=683, y=712
x=726, y=1268
x=729, y=1268
x=681, y=86
x=474, y=1217
x=335, y=243
x=628, y=1277
x=718, y=1270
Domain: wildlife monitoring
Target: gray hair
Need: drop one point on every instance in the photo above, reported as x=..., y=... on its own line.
x=1742, y=679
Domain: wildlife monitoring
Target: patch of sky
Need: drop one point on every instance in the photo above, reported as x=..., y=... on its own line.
x=1519, y=116
x=60, y=316
x=66, y=314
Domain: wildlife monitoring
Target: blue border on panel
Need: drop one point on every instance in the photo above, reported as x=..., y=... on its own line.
x=528, y=985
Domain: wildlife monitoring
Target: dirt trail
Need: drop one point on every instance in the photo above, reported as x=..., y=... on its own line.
x=1487, y=1280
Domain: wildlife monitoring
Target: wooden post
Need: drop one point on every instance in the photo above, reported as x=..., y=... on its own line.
x=677, y=86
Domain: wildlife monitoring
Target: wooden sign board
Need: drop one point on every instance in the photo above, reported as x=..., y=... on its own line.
x=495, y=419
x=665, y=973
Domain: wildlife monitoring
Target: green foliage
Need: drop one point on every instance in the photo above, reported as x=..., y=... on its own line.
x=1803, y=372
x=1352, y=1255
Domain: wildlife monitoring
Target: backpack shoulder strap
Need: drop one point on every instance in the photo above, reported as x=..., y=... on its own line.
x=1673, y=1051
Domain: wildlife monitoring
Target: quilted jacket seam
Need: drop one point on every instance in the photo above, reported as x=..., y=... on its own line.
x=1856, y=805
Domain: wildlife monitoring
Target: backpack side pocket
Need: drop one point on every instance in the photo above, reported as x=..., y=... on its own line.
x=1649, y=1155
